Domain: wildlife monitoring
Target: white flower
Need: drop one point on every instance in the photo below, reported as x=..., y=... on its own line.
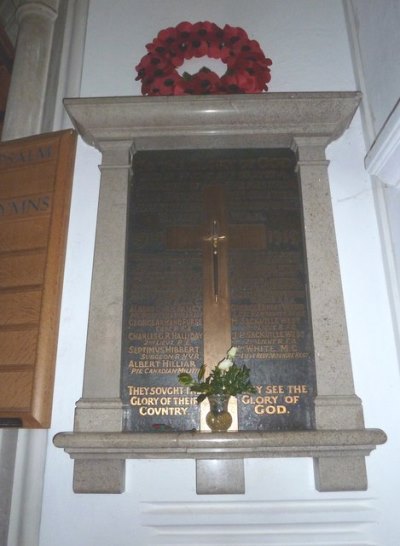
x=225, y=364
x=232, y=352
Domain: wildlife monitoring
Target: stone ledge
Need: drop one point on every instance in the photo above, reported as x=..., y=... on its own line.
x=338, y=455
x=228, y=445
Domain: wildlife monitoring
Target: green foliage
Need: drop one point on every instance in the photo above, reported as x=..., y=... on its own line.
x=233, y=381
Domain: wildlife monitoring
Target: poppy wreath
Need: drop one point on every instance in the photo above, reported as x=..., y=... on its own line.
x=248, y=70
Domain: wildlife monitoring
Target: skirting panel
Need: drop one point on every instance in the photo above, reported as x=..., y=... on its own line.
x=330, y=522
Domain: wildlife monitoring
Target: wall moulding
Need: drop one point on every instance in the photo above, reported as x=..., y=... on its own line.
x=304, y=122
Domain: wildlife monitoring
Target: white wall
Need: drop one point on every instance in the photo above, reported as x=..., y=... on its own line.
x=309, y=56
x=308, y=44
x=377, y=28
x=375, y=31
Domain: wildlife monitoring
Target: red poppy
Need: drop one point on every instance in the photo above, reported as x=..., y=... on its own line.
x=214, y=50
x=248, y=81
x=168, y=35
x=152, y=67
x=206, y=31
x=195, y=48
x=233, y=34
x=230, y=83
x=206, y=82
x=183, y=30
x=170, y=85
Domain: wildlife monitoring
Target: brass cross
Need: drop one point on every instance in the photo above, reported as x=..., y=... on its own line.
x=217, y=231
x=214, y=239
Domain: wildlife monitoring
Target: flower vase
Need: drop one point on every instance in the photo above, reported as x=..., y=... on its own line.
x=218, y=418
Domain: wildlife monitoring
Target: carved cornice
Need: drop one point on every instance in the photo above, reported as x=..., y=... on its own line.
x=263, y=120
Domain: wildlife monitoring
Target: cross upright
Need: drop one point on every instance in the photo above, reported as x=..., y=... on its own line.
x=215, y=237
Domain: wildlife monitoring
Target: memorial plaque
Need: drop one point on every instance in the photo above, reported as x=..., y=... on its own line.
x=251, y=295
x=163, y=332
x=35, y=189
x=269, y=308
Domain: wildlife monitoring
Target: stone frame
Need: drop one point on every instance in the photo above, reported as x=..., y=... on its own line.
x=304, y=122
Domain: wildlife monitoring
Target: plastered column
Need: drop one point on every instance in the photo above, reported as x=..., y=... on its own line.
x=22, y=454
x=336, y=405
x=27, y=92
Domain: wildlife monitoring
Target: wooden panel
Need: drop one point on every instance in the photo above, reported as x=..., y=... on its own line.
x=22, y=270
x=16, y=391
x=26, y=234
x=35, y=190
x=20, y=307
x=40, y=177
x=21, y=207
x=18, y=347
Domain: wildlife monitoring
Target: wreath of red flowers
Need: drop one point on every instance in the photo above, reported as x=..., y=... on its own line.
x=247, y=67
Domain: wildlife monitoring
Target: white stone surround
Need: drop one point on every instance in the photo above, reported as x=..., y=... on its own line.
x=305, y=122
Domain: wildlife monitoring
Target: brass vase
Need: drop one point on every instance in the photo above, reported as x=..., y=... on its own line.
x=218, y=418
